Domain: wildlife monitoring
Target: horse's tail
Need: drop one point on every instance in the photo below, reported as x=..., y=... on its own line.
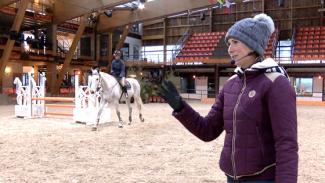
x=137, y=94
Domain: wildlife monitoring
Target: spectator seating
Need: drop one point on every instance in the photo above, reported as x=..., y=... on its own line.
x=271, y=45
x=199, y=47
x=209, y=47
x=309, y=43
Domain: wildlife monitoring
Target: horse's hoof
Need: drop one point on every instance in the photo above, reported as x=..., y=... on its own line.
x=120, y=125
x=142, y=120
x=129, y=123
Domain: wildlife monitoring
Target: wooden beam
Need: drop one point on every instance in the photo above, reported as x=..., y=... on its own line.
x=10, y=43
x=154, y=9
x=153, y=37
x=69, y=55
x=119, y=44
x=153, y=22
x=6, y=2
x=123, y=36
x=67, y=10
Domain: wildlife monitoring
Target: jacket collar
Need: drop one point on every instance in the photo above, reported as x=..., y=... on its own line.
x=262, y=66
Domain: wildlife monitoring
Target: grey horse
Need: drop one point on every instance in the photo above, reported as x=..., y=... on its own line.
x=110, y=92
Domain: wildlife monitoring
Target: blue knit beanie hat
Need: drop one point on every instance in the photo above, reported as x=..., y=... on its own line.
x=253, y=32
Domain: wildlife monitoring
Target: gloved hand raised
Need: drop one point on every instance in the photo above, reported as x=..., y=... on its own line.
x=169, y=93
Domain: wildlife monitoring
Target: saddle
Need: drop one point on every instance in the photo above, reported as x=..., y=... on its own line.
x=124, y=89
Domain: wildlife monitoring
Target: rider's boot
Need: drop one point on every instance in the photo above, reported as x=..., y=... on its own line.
x=124, y=89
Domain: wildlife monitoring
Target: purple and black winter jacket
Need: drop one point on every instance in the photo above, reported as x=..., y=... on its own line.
x=257, y=111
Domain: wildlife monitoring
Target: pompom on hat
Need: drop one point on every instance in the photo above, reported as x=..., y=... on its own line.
x=254, y=32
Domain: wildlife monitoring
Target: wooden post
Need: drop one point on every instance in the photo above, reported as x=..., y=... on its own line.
x=10, y=43
x=69, y=55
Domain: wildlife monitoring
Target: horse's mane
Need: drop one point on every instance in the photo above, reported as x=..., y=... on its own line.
x=109, y=79
x=106, y=75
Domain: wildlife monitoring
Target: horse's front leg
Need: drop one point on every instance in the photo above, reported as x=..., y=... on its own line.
x=101, y=108
x=130, y=109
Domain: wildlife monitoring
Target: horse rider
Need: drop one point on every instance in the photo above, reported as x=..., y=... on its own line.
x=118, y=70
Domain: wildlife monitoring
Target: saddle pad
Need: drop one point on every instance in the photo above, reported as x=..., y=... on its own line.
x=128, y=85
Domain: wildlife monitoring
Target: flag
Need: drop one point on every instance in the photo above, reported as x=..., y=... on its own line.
x=228, y=4
x=221, y=1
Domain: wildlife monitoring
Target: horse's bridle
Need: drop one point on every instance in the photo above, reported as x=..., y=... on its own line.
x=99, y=84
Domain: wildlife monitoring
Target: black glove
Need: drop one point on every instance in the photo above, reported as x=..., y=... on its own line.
x=169, y=93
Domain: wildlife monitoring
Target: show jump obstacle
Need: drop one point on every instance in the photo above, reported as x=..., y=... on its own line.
x=31, y=102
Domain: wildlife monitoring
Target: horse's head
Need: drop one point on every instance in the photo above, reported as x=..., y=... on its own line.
x=17, y=81
x=94, y=81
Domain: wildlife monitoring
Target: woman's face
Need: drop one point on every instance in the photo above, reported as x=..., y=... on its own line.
x=239, y=52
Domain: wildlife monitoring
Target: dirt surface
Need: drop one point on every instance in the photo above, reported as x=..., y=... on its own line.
x=157, y=150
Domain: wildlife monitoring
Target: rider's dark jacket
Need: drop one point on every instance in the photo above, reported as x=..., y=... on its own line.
x=118, y=68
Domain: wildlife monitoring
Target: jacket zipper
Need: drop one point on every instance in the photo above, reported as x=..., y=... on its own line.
x=234, y=129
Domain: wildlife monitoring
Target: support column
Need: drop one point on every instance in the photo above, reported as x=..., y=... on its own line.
x=211, y=19
x=97, y=47
x=165, y=41
x=51, y=77
x=323, y=93
x=69, y=55
x=216, y=80
x=109, y=51
x=10, y=43
x=36, y=74
x=120, y=43
x=54, y=41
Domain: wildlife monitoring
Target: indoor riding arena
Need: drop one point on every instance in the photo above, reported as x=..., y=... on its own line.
x=66, y=65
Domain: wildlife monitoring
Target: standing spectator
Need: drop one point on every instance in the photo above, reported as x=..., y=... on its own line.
x=256, y=108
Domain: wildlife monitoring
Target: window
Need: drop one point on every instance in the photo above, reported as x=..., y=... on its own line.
x=135, y=28
x=136, y=52
x=303, y=86
x=156, y=53
x=283, y=51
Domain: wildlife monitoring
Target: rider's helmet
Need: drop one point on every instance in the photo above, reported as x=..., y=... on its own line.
x=117, y=53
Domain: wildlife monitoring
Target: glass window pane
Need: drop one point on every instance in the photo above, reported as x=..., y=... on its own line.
x=304, y=86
